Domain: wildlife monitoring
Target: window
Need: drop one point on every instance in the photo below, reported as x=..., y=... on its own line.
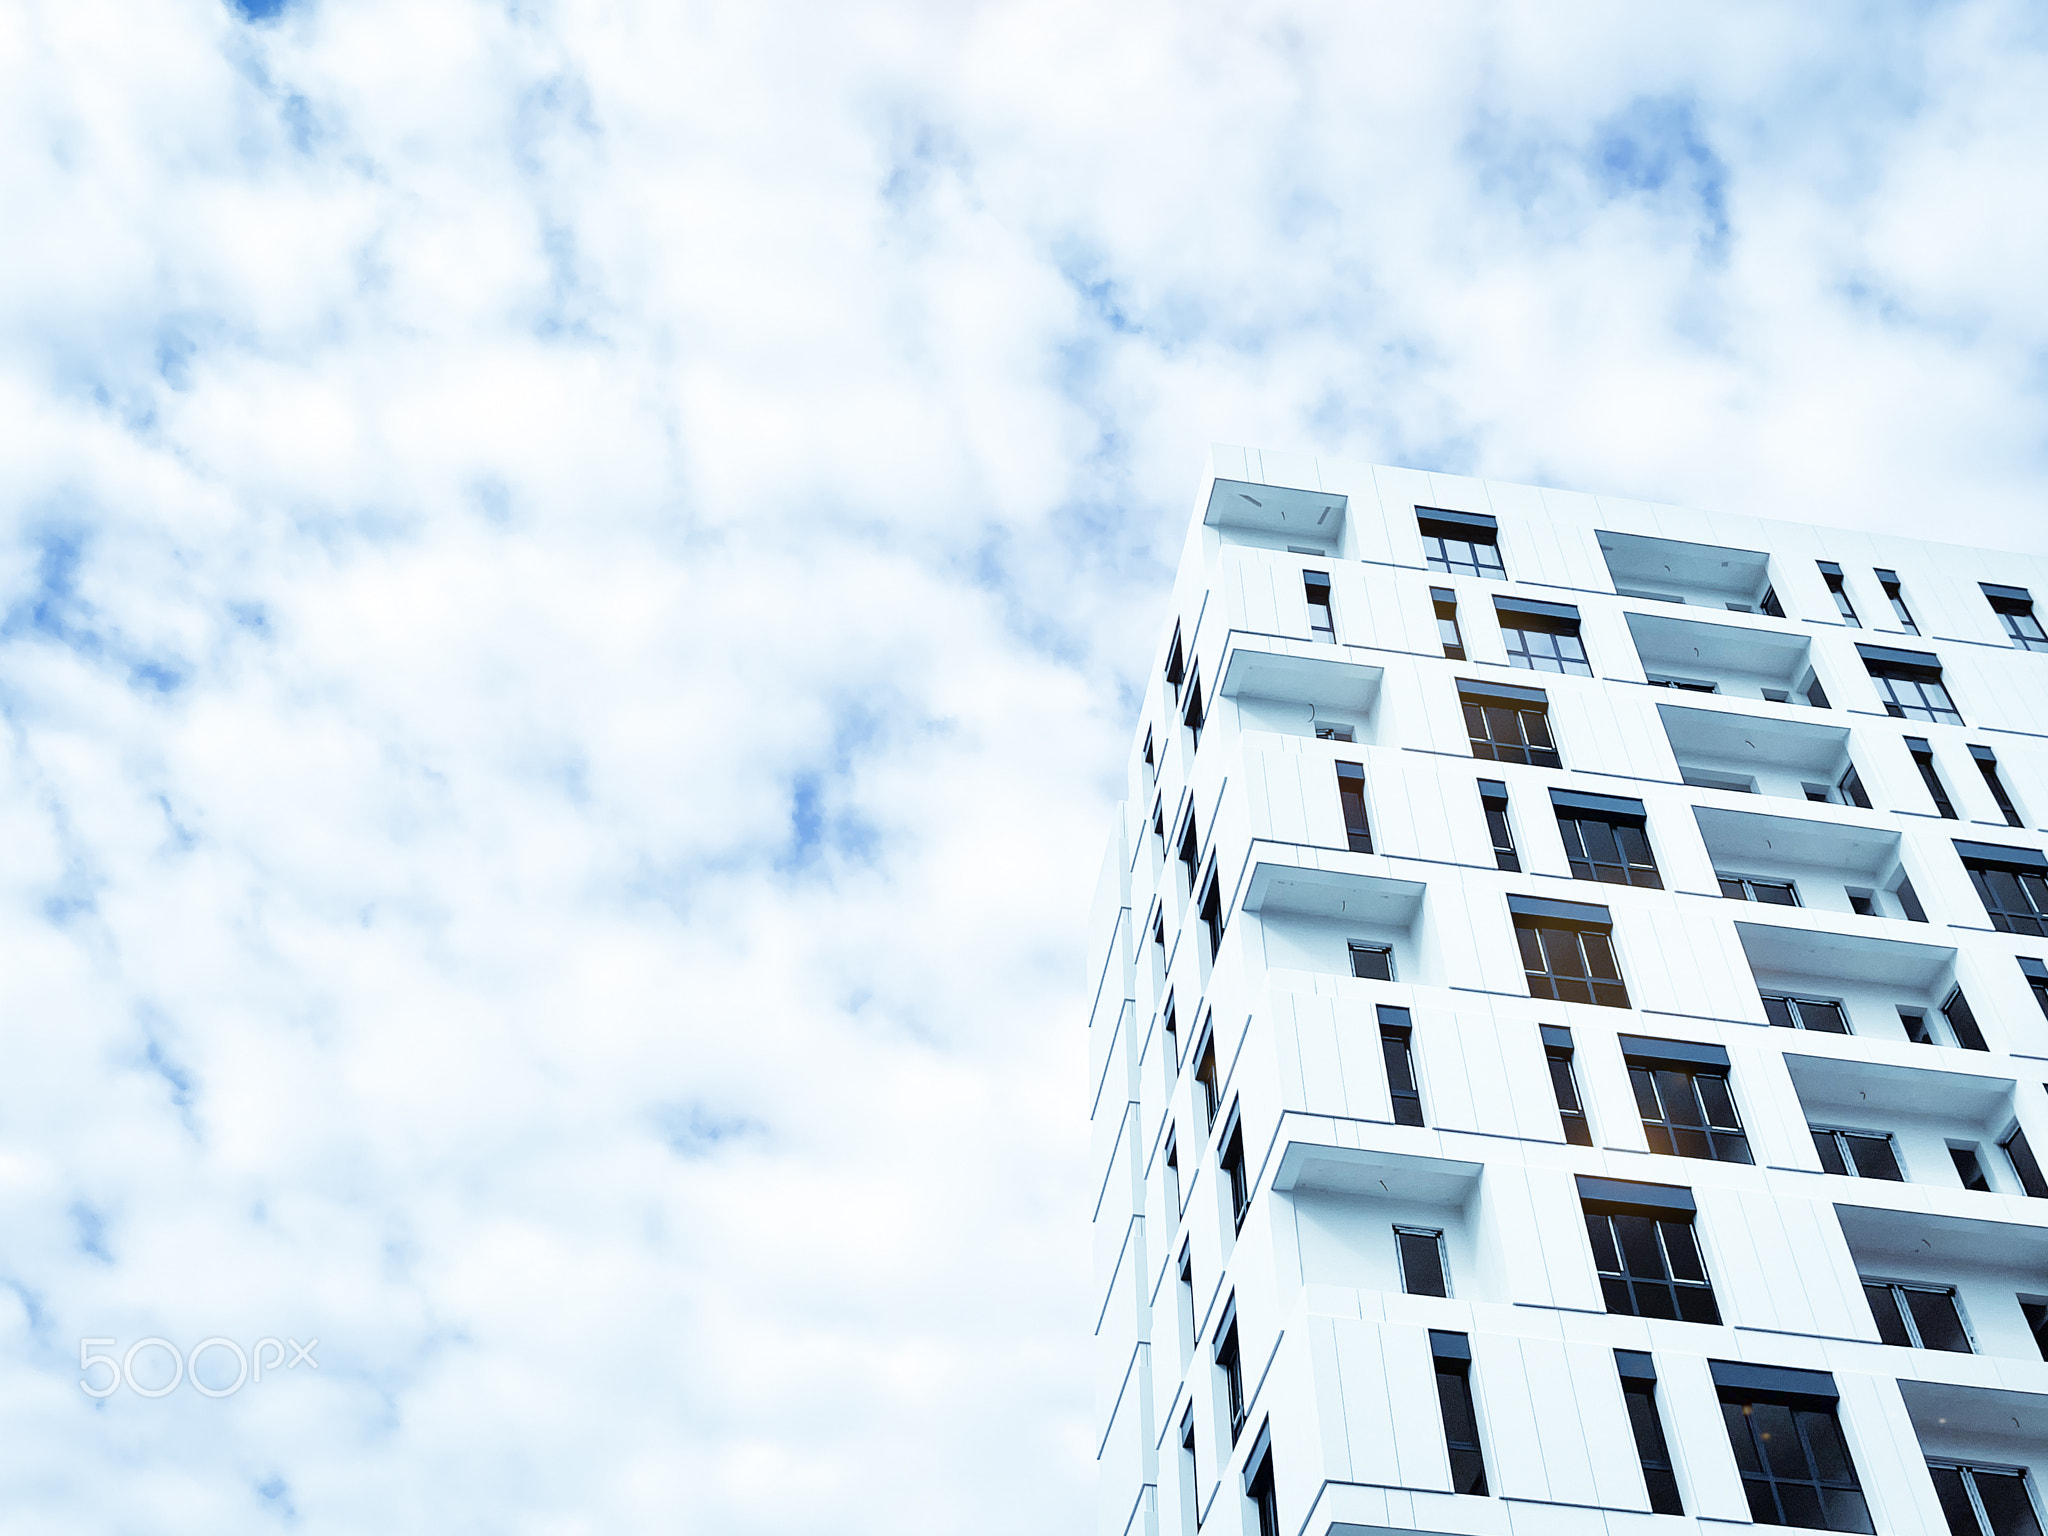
x=1335, y=733
x=1858, y=1154
x=1923, y=759
x=1159, y=828
x=1644, y=1250
x=1969, y=1169
x=1231, y=1161
x=1453, y=1355
x=1205, y=1079
x=1447, y=631
x=1917, y=1316
x=1508, y=725
x=1821, y=1014
x=1788, y=1447
x=1542, y=637
x=1194, y=716
x=1258, y=1486
x=1909, y=683
x=1351, y=796
x=2037, y=980
x=1987, y=764
x=1682, y=1094
x=1770, y=603
x=1212, y=914
x=1176, y=666
x=1985, y=1501
x=1230, y=1367
x=1774, y=893
x=1168, y=1024
x=1190, y=853
x=1315, y=586
x=1605, y=839
x=1460, y=543
x=1639, y=1390
x=1187, y=1310
x=1190, y=1481
x=1909, y=901
x=1397, y=1049
x=1914, y=1022
x=1421, y=1252
x=1371, y=962
x=1566, y=952
x=1688, y=684
x=1700, y=778
x=1849, y=789
x=1816, y=696
x=1863, y=903
x=1889, y=580
x=2024, y=1166
x=2015, y=610
x=1493, y=800
x=1557, y=1049
x=2035, y=1311
x=2012, y=883
x=1150, y=761
x=1173, y=1204
x=1962, y=1023
x=1831, y=573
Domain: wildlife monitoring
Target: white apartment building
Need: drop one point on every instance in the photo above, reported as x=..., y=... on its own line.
x=1571, y=1024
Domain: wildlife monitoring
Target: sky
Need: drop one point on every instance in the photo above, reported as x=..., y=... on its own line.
x=574, y=583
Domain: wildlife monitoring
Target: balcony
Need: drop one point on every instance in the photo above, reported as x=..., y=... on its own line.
x=1874, y=987
x=1297, y=688
x=1750, y=754
x=1698, y=575
x=1989, y=1264
x=1276, y=517
x=1316, y=919
x=1923, y=1112
x=1719, y=658
x=1825, y=866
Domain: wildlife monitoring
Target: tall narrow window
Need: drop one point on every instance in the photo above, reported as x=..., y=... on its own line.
x=1315, y=588
x=1172, y=1175
x=1923, y=759
x=1909, y=683
x=1557, y=1051
x=1815, y=695
x=1371, y=962
x=1421, y=1251
x=1914, y=1022
x=1639, y=1390
x=1985, y=1501
x=1446, y=602
x=1644, y=1250
x=1566, y=952
x=1151, y=761
x=1258, y=1486
x=1194, y=716
x=1493, y=800
x=1987, y=764
x=1507, y=724
x=2015, y=609
x=1206, y=1096
x=1681, y=1090
x=1230, y=1367
x=1176, y=666
x=1231, y=1161
x=2025, y=1167
x=1857, y=1154
x=1187, y=1301
x=2035, y=1311
x=1190, y=1478
x=1453, y=1355
x=1169, y=1025
x=1909, y=901
x=2036, y=973
x=1788, y=1447
x=1969, y=1169
x=1351, y=796
x=1606, y=839
x=1212, y=914
x=1190, y=852
x=1397, y=1047
x=1849, y=789
x=1962, y=1023
x=1460, y=543
x=1822, y=1014
x=1831, y=573
x=1542, y=637
x=1917, y=1316
x=2012, y=883
x=1889, y=580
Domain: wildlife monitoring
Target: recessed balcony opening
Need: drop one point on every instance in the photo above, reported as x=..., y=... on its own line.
x=1277, y=517
x=1848, y=984
x=1692, y=657
x=1895, y=1123
x=1983, y=1450
x=1364, y=1220
x=1750, y=754
x=1698, y=575
x=1302, y=695
x=1985, y=1265
x=1359, y=927
x=1802, y=862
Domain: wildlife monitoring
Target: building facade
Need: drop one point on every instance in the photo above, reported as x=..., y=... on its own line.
x=1571, y=1024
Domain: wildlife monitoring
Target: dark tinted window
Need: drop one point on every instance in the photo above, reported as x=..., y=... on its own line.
x=1650, y=1267
x=1571, y=965
x=1795, y=1467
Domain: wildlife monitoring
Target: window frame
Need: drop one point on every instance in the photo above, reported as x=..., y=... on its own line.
x=1445, y=601
x=1987, y=766
x=1451, y=1356
x=1433, y=1235
x=1488, y=705
x=1397, y=1049
x=1534, y=636
x=1606, y=1202
x=1794, y=1009
x=1326, y=632
x=1652, y=1072
x=1831, y=574
x=2015, y=609
x=1227, y=1352
x=1908, y=1320
x=1638, y=1376
x=2025, y=870
x=1852, y=1167
x=1557, y=1053
x=1460, y=529
x=1966, y=1479
x=1888, y=582
x=1750, y=884
x=1758, y=1455
x=1493, y=806
x=1356, y=947
x=1350, y=800
x=1575, y=811
x=1532, y=928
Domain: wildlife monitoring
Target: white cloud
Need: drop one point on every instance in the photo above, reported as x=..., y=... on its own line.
x=573, y=579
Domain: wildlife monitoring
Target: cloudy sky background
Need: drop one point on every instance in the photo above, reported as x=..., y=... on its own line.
x=574, y=577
